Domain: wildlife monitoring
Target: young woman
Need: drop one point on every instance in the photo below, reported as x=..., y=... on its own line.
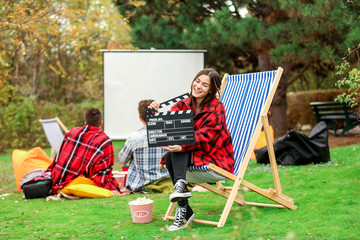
x=212, y=141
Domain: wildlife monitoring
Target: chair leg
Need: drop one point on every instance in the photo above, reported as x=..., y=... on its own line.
x=229, y=203
x=170, y=211
x=333, y=127
x=223, y=191
x=346, y=128
x=219, y=185
x=52, y=154
x=271, y=153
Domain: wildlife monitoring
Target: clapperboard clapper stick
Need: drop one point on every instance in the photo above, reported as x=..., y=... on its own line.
x=170, y=128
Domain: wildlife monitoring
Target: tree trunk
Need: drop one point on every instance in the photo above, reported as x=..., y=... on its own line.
x=279, y=105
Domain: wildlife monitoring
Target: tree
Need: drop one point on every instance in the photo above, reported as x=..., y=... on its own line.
x=305, y=37
x=350, y=70
x=50, y=50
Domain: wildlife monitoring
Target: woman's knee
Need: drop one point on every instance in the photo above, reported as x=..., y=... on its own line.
x=168, y=160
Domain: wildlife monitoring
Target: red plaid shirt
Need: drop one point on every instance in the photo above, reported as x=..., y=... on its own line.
x=85, y=151
x=212, y=138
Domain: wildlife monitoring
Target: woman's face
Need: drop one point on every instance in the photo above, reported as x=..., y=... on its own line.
x=201, y=87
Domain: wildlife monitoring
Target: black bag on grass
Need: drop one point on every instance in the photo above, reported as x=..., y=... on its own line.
x=296, y=148
x=38, y=189
x=36, y=184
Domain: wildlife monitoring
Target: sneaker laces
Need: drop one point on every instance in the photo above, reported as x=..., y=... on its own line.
x=180, y=185
x=179, y=216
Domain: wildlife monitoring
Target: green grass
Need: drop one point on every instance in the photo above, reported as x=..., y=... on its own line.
x=327, y=196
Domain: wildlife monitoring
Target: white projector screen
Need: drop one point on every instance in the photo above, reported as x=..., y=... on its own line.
x=131, y=76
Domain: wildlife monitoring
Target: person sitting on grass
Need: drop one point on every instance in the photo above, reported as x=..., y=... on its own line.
x=212, y=141
x=87, y=152
x=143, y=161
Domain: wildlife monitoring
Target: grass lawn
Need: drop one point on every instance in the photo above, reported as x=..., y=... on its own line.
x=327, y=196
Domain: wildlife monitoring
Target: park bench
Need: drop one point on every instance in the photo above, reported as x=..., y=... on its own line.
x=335, y=111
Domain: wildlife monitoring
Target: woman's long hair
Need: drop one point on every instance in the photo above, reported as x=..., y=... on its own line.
x=215, y=84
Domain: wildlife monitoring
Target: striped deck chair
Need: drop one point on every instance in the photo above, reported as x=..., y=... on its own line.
x=247, y=99
x=54, y=134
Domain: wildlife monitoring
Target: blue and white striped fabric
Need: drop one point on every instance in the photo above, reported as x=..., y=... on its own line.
x=202, y=174
x=244, y=98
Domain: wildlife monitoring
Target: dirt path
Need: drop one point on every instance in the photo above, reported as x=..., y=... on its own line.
x=340, y=141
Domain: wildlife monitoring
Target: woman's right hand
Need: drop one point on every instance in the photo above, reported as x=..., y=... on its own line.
x=154, y=105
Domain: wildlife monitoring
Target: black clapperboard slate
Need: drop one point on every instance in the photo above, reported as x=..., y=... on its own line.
x=170, y=128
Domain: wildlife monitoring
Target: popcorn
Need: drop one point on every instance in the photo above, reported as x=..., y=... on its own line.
x=141, y=201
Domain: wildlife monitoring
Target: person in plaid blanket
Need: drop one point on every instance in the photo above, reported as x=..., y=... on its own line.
x=212, y=141
x=85, y=151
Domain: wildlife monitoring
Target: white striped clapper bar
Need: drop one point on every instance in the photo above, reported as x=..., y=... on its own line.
x=170, y=128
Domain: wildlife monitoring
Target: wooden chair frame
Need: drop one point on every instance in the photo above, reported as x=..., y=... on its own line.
x=231, y=193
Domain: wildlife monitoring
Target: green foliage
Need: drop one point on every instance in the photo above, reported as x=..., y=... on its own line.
x=51, y=64
x=20, y=127
x=350, y=80
x=292, y=33
x=305, y=38
x=51, y=49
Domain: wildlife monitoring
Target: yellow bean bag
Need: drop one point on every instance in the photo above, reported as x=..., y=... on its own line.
x=78, y=180
x=90, y=191
x=27, y=161
x=85, y=187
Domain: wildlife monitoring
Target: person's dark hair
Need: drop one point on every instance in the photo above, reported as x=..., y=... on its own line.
x=215, y=84
x=93, y=117
x=143, y=105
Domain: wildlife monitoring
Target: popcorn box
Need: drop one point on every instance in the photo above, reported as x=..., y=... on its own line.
x=141, y=210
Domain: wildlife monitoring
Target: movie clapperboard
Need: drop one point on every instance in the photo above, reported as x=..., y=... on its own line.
x=170, y=128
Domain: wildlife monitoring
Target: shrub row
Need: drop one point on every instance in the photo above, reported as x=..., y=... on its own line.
x=299, y=112
x=20, y=127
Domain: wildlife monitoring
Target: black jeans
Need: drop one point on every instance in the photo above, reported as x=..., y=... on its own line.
x=176, y=164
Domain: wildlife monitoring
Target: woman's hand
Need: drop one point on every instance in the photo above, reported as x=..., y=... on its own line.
x=173, y=148
x=154, y=105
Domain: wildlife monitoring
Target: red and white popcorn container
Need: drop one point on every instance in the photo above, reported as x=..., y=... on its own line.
x=141, y=210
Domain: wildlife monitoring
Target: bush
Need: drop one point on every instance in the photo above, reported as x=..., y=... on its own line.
x=20, y=127
x=350, y=74
x=299, y=112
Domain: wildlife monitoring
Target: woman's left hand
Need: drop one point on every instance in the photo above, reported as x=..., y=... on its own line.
x=173, y=148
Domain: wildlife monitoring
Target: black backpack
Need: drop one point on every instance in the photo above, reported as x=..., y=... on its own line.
x=36, y=184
